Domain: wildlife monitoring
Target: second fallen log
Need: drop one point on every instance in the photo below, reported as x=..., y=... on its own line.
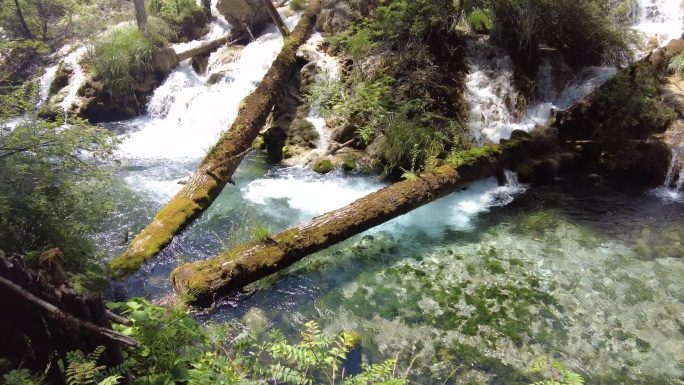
x=230, y=271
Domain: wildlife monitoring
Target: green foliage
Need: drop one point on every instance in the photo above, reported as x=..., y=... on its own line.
x=44, y=20
x=177, y=12
x=21, y=377
x=480, y=21
x=297, y=5
x=582, y=30
x=54, y=182
x=677, y=65
x=261, y=233
x=84, y=370
x=126, y=53
x=175, y=348
x=555, y=373
x=628, y=102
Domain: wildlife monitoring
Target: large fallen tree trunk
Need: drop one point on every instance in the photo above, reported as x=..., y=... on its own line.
x=208, y=46
x=218, y=166
x=247, y=263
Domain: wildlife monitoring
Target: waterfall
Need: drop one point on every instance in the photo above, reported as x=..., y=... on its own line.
x=661, y=19
x=45, y=83
x=77, y=79
x=497, y=107
x=328, y=72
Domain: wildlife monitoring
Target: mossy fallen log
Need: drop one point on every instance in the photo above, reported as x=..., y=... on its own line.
x=223, y=159
x=230, y=271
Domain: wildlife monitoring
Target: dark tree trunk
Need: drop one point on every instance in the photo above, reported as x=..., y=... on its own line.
x=140, y=14
x=20, y=15
x=218, y=166
x=249, y=262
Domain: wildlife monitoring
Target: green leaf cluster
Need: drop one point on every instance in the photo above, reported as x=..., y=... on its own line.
x=176, y=349
x=54, y=181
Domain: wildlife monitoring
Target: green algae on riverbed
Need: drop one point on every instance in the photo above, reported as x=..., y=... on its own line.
x=487, y=309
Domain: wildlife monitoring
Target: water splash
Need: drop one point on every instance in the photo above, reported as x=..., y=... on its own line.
x=329, y=72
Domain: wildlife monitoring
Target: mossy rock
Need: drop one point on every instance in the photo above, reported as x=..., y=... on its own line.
x=287, y=153
x=61, y=79
x=323, y=166
x=302, y=133
x=259, y=143
x=349, y=165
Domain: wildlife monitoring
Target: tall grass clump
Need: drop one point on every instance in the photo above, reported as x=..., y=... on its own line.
x=125, y=54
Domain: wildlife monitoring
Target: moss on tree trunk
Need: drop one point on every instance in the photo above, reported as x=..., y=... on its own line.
x=222, y=160
x=249, y=262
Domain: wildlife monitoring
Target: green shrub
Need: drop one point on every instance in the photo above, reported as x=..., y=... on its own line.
x=582, y=30
x=677, y=65
x=50, y=195
x=480, y=21
x=297, y=5
x=124, y=54
x=176, y=348
x=177, y=12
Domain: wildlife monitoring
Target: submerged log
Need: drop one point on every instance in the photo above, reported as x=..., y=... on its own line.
x=249, y=262
x=218, y=166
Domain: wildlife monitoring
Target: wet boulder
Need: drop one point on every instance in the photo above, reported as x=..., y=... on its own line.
x=338, y=15
x=244, y=15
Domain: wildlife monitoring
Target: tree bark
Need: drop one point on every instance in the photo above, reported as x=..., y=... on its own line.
x=249, y=262
x=140, y=14
x=20, y=15
x=218, y=166
x=276, y=18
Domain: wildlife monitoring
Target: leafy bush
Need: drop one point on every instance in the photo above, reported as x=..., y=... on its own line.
x=124, y=54
x=582, y=30
x=677, y=65
x=53, y=182
x=177, y=12
x=175, y=348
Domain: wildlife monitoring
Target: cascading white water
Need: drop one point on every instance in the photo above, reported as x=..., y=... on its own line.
x=494, y=100
x=77, y=79
x=661, y=19
x=329, y=72
x=45, y=83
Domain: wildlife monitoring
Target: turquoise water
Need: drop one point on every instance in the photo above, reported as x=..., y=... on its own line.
x=473, y=287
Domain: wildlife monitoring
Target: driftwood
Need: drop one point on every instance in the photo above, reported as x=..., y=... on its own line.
x=247, y=263
x=39, y=318
x=69, y=321
x=218, y=166
x=209, y=46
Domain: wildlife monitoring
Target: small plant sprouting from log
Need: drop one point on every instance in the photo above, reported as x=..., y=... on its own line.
x=261, y=233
